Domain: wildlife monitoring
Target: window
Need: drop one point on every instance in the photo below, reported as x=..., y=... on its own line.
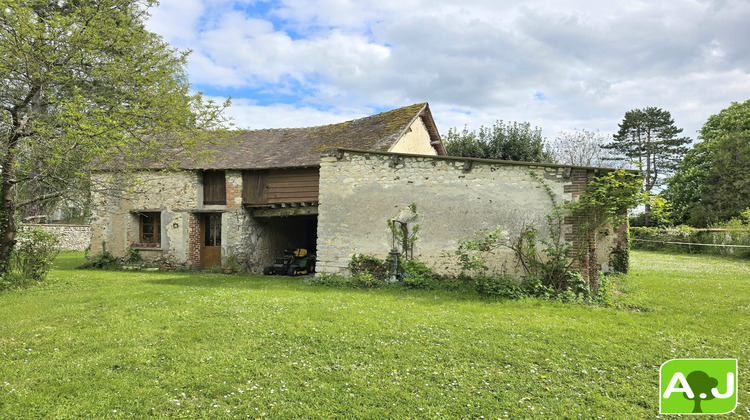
x=212, y=230
x=150, y=229
x=214, y=187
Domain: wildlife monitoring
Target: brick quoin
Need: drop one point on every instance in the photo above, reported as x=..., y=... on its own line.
x=233, y=192
x=579, y=181
x=194, y=241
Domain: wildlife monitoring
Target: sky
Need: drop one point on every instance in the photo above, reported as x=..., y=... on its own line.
x=559, y=65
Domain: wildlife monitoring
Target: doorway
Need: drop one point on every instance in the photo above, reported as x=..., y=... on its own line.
x=210, y=240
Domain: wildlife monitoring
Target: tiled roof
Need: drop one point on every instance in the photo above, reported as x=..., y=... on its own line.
x=294, y=147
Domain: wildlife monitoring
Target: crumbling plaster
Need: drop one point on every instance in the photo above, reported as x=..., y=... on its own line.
x=455, y=198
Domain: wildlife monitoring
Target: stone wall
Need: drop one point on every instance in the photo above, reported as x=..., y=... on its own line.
x=455, y=198
x=114, y=213
x=70, y=237
x=177, y=196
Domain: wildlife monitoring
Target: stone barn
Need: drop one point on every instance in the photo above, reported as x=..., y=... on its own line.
x=329, y=189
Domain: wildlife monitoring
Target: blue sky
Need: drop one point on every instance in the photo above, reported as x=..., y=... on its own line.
x=558, y=65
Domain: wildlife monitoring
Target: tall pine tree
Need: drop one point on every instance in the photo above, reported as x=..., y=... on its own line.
x=649, y=138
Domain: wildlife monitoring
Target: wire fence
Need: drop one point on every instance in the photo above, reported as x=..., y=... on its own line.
x=690, y=243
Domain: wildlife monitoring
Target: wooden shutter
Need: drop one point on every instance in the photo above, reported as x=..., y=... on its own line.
x=214, y=187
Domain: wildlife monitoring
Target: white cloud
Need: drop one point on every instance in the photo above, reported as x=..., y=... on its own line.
x=253, y=116
x=176, y=20
x=577, y=64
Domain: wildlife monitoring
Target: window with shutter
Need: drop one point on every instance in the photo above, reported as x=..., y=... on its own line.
x=214, y=187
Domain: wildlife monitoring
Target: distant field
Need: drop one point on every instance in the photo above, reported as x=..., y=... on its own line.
x=99, y=344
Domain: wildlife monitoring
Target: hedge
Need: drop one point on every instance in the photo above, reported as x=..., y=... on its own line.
x=656, y=239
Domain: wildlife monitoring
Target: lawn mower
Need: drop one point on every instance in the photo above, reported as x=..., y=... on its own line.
x=295, y=262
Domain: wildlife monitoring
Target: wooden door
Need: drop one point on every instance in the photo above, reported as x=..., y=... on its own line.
x=210, y=240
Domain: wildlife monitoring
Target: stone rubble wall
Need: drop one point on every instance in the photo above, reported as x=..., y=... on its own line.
x=177, y=197
x=70, y=237
x=114, y=221
x=360, y=191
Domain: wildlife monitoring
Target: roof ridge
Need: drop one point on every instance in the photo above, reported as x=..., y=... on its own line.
x=420, y=105
x=302, y=146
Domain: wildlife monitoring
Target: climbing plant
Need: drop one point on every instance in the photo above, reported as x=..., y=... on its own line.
x=403, y=234
x=604, y=203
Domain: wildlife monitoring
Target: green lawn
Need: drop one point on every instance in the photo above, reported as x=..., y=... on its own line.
x=99, y=344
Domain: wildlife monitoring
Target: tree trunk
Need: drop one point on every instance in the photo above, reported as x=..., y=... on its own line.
x=592, y=268
x=7, y=210
x=647, y=215
x=7, y=206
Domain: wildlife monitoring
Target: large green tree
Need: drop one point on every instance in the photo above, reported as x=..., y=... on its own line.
x=712, y=184
x=649, y=138
x=85, y=84
x=512, y=141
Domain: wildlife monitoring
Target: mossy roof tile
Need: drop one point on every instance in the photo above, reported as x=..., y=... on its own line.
x=295, y=147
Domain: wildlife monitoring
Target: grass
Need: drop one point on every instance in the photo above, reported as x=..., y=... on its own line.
x=98, y=344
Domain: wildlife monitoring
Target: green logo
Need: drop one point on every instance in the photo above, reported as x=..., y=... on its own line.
x=698, y=386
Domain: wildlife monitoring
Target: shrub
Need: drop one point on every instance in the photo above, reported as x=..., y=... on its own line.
x=105, y=261
x=416, y=275
x=505, y=287
x=134, y=256
x=367, y=280
x=536, y=287
x=577, y=290
x=473, y=254
x=364, y=264
x=34, y=253
x=13, y=280
x=731, y=233
x=576, y=283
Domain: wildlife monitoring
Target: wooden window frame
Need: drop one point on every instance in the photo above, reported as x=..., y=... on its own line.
x=214, y=188
x=144, y=238
x=212, y=229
